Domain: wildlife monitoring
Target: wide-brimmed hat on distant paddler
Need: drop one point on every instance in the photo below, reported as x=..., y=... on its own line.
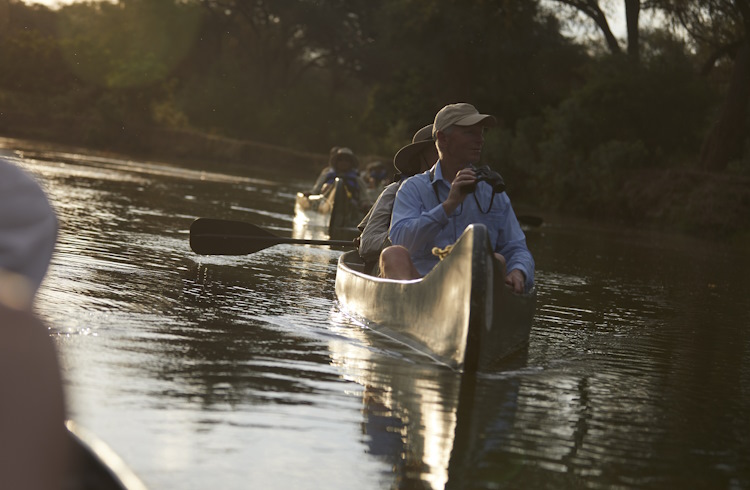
x=406, y=160
x=344, y=154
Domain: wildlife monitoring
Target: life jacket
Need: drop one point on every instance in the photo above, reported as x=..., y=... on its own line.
x=350, y=178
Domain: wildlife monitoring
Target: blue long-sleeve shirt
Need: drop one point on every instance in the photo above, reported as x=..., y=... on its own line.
x=419, y=222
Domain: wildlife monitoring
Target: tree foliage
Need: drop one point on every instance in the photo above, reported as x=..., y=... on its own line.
x=506, y=57
x=721, y=30
x=311, y=74
x=594, y=11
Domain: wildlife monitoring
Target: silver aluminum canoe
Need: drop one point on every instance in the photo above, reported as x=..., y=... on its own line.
x=335, y=209
x=460, y=314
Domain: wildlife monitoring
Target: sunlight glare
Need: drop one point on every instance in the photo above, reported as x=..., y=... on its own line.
x=51, y=3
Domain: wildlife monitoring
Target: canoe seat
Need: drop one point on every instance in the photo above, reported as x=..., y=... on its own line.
x=357, y=267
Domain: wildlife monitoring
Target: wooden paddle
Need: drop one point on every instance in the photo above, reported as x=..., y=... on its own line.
x=225, y=237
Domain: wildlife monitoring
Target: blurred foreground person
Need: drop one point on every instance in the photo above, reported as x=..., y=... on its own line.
x=28, y=232
x=33, y=438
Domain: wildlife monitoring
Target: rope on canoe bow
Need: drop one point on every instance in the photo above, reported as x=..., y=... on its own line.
x=442, y=253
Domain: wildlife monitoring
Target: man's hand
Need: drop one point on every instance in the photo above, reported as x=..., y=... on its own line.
x=516, y=280
x=465, y=179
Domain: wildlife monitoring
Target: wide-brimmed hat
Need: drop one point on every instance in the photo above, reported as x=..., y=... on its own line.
x=343, y=153
x=405, y=160
x=461, y=114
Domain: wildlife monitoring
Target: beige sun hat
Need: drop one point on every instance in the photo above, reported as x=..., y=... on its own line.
x=405, y=160
x=461, y=114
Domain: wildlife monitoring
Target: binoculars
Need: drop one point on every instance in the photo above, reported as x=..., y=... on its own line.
x=485, y=173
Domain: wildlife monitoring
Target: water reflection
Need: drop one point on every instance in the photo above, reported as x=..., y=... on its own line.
x=429, y=422
x=409, y=412
x=408, y=408
x=232, y=372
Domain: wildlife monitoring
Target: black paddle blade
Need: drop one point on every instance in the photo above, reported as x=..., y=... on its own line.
x=530, y=220
x=223, y=237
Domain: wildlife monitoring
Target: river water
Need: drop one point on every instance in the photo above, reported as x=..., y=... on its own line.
x=208, y=372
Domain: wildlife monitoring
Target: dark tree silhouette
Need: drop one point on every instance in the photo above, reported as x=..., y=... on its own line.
x=721, y=28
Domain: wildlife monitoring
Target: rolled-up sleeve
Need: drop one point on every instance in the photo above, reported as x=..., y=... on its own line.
x=511, y=244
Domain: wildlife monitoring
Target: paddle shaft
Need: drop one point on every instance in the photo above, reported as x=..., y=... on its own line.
x=277, y=240
x=224, y=237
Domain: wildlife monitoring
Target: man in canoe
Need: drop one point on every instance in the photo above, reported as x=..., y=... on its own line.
x=418, y=156
x=342, y=164
x=432, y=209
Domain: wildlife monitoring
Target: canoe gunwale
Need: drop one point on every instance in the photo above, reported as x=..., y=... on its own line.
x=113, y=472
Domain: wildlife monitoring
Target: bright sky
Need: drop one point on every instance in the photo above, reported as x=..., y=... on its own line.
x=616, y=17
x=51, y=3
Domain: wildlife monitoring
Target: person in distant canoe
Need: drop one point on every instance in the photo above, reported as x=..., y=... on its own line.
x=323, y=176
x=343, y=165
x=432, y=209
x=418, y=156
x=376, y=175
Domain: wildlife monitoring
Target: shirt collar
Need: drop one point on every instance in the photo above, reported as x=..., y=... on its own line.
x=436, y=173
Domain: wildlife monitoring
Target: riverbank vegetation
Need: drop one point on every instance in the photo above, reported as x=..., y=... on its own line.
x=650, y=130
